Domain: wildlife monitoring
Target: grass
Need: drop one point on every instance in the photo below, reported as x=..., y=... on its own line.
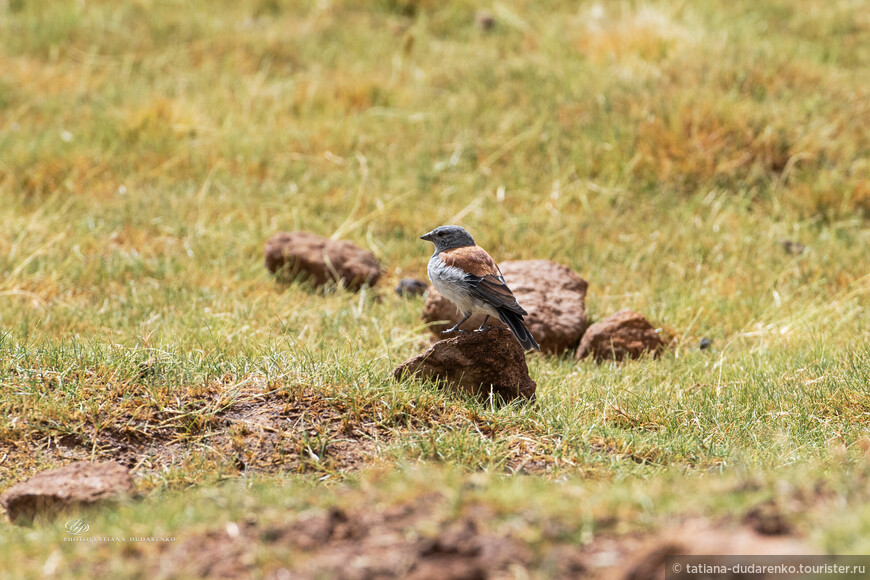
x=663, y=150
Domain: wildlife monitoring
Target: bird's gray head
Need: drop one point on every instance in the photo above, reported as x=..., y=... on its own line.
x=448, y=237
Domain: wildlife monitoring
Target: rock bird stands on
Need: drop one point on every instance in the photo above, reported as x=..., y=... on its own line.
x=468, y=276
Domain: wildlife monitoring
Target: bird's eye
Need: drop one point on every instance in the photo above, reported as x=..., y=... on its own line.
x=439, y=235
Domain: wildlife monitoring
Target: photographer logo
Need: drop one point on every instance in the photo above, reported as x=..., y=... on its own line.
x=77, y=527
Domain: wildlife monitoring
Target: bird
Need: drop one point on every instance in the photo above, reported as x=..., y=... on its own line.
x=468, y=276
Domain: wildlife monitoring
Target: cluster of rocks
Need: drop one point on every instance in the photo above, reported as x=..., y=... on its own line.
x=555, y=298
x=490, y=363
x=552, y=294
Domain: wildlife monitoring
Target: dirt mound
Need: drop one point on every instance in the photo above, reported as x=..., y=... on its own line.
x=424, y=538
x=233, y=426
x=304, y=431
x=353, y=545
x=252, y=429
x=643, y=558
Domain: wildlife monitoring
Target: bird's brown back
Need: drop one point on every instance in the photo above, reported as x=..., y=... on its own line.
x=472, y=259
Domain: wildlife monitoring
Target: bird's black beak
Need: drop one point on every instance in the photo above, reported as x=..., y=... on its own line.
x=427, y=237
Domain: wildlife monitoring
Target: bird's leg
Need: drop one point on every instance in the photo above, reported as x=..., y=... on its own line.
x=458, y=324
x=483, y=325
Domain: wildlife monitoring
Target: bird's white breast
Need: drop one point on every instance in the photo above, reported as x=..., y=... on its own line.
x=450, y=282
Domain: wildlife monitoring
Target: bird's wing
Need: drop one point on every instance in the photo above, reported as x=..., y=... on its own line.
x=483, y=275
x=492, y=289
x=470, y=259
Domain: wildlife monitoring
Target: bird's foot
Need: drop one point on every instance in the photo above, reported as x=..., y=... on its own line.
x=483, y=328
x=457, y=325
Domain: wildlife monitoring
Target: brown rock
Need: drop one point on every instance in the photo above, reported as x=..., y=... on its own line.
x=621, y=335
x=552, y=294
x=77, y=484
x=476, y=363
x=303, y=255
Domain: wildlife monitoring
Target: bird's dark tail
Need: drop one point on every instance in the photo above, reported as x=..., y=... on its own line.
x=515, y=323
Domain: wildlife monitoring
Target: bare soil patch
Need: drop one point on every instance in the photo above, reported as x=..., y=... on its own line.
x=642, y=557
x=350, y=545
x=225, y=429
x=295, y=430
x=417, y=540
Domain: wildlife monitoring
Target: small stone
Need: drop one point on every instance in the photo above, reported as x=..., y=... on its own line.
x=477, y=364
x=77, y=484
x=624, y=334
x=300, y=255
x=705, y=343
x=552, y=294
x=485, y=20
x=411, y=287
x=792, y=247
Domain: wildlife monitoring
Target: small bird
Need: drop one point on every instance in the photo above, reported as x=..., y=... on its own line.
x=468, y=276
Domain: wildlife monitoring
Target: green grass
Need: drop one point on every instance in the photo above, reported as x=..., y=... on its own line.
x=663, y=150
